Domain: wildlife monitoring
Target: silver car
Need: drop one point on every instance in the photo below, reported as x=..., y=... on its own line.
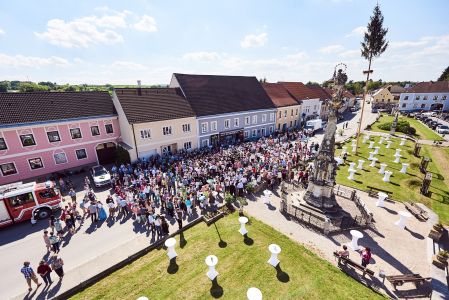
x=100, y=176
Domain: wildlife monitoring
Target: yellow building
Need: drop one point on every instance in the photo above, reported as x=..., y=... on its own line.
x=383, y=96
x=288, y=109
x=155, y=121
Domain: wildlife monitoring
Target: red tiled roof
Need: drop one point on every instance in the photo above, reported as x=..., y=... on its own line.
x=321, y=92
x=153, y=104
x=279, y=94
x=51, y=106
x=430, y=87
x=299, y=91
x=218, y=94
x=348, y=94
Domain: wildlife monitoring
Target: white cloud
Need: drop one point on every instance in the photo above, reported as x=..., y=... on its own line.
x=253, y=40
x=146, y=23
x=2, y=32
x=299, y=55
x=331, y=49
x=32, y=61
x=350, y=53
x=201, y=56
x=124, y=64
x=358, y=31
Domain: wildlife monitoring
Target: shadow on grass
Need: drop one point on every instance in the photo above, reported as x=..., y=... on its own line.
x=182, y=240
x=173, y=266
x=216, y=290
x=221, y=243
x=247, y=240
x=281, y=275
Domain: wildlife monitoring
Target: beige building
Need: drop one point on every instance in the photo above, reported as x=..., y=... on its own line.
x=155, y=121
x=382, y=96
x=288, y=110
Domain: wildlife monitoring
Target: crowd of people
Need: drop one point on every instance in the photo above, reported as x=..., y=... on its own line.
x=154, y=190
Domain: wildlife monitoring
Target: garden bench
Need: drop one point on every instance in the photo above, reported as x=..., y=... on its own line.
x=398, y=280
x=353, y=264
x=373, y=192
x=417, y=211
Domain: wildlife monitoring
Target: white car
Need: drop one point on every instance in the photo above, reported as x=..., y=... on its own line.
x=100, y=176
x=443, y=129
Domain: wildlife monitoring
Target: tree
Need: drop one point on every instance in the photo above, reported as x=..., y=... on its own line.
x=32, y=87
x=4, y=86
x=312, y=83
x=445, y=75
x=15, y=85
x=373, y=45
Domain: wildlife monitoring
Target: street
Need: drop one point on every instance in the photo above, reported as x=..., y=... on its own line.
x=91, y=242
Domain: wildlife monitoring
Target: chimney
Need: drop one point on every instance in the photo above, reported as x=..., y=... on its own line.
x=139, y=88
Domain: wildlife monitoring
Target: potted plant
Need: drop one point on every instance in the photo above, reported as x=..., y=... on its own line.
x=436, y=232
x=249, y=188
x=438, y=227
x=443, y=256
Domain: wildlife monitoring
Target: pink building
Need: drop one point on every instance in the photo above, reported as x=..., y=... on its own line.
x=43, y=133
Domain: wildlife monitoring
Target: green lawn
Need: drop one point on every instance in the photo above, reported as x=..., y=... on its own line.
x=422, y=131
x=405, y=187
x=241, y=265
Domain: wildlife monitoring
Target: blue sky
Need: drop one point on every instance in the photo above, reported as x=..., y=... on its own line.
x=120, y=42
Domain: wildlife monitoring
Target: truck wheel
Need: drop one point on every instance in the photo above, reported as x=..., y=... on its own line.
x=43, y=213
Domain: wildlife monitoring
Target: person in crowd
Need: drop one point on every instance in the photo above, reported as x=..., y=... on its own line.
x=57, y=265
x=45, y=271
x=54, y=241
x=47, y=240
x=366, y=256
x=29, y=275
x=93, y=211
x=344, y=252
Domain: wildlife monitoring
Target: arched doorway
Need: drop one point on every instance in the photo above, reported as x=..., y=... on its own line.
x=106, y=153
x=436, y=106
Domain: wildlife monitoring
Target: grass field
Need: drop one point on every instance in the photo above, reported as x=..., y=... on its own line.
x=422, y=131
x=405, y=187
x=241, y=265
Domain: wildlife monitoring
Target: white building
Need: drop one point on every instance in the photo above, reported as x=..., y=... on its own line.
x=426, y=96
x=309, y=99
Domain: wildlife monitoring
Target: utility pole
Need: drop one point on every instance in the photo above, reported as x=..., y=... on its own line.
x=365, y=92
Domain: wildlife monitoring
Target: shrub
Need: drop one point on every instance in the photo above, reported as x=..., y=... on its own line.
x=249, y=188
x=228, y=198
x=402, y=126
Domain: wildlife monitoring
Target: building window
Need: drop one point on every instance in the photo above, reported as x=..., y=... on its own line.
x=236, y=122
x=95, y=130
x=227, y=123
x=81, y=153
x=166, y=130
x=75, y=133
x=279, y=127
x=404, y=105
x=254, y=132
x=264, y=118
x=271, y=129
x=292, y=113
x=213, y=126
x=417, y=97
x=204, y=127
x=3, y=144
x=406, y=98
x=272, y=117
x=109, y=128
x=297, y=111
x=246, y=134
x=35, y=163
x=435, y=98
x=285, y=114
x=444, y=97
x=60, y=158
x=247, y=120
x=186, y=128
x=8, y=169
x=423, y=105
x=27, y=140
x=296, y=123
x=53, y=136
x=205, y=143
x=263, y=131
x=291, y=123
x=415, y=105
x=424, y=98
x=145, y=134
x=255, y=119
x=280, y=114
x=187, y=145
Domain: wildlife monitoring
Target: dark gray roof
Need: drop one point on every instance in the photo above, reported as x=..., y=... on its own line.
x=217, y=94
x=51, y=106
x=153, y=104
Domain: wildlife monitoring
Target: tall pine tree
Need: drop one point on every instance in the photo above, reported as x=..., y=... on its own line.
x=445, y=75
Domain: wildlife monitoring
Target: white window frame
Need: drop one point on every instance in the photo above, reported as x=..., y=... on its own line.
x=61, y=163
x=236, y=122
x=167, y=130
x=254, y=119
x=81, y=133
x=186, y=127
x=21, y=141
x=254, y=133
x=246, y=134
x=204, y=127
x=99, y=132
x=205, y=143
x=76, y=155
x=6, y=144
x=213, y=126
x=7, y=163
x=263, y=131
x=247, y=120
x=59, y=135
x=272, y=117
x=189, y=144
x=38, y=157
x=271, y=129
x=105, y=130
x=227, y=123
x=142, y=134
x=285, y=114
x=264, y=118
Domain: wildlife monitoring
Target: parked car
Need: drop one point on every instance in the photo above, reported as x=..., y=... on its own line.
x=443, y=129
x=434, y=125
x=374, y=110
x=100, y=176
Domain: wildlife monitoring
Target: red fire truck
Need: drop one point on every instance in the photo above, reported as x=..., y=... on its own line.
x=27, y=201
